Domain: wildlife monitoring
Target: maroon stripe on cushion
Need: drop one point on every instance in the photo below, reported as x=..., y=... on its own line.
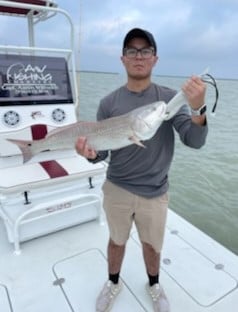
x=53, y=168
x=38, y=131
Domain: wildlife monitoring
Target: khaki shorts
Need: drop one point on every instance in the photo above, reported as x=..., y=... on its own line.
x=123, y=207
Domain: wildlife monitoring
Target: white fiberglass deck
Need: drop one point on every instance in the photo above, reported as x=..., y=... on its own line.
x=55, y=272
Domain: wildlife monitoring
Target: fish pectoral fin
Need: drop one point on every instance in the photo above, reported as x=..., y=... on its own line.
x=136, y=141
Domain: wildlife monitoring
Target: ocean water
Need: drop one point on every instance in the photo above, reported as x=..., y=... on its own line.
x=204, y=182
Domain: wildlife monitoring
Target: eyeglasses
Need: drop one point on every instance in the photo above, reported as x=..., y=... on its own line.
x=131, y=53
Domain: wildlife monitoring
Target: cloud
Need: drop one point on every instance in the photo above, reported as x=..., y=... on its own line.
x=189, y=33
x=190, y=36
x=222, y=37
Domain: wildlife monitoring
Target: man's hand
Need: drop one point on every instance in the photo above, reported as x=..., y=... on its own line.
x=83, y=149
x=195, y=90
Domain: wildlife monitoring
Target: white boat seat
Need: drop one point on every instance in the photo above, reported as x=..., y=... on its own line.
x=44, y=173
x=53, y=191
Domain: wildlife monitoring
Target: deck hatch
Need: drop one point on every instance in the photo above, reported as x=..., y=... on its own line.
x=82, y=268
x=4, y=299
x=193, y=271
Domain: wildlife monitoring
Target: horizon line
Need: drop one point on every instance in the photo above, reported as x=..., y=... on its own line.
x=155, y=75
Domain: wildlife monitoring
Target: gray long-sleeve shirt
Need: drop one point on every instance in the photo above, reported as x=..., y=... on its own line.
x=144, y=171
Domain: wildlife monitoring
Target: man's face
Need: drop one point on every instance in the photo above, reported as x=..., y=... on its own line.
x=140, y=65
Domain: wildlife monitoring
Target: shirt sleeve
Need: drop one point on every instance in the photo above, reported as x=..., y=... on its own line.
x=191, y=134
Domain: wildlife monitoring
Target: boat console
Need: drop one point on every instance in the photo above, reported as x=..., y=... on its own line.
x=38, y=93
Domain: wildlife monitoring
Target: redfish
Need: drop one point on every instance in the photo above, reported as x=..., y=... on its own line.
x=109, y=134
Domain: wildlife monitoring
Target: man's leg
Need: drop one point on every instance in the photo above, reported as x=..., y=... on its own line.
x=118, y=209
x=113, y=286
x=155, y=290
x=152, y=262
x=115, y=257
x=150, y=219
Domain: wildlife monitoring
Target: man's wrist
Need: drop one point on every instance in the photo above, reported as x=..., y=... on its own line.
x=94, y=160
x=200, y=111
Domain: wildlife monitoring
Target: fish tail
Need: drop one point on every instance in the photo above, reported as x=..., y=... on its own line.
x=25, y=147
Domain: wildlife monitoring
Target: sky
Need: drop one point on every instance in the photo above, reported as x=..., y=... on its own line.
x=191, y=35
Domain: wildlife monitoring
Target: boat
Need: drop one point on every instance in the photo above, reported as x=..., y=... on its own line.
x=53, y=233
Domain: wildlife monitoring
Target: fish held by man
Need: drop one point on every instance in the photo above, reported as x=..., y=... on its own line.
x=113, y=133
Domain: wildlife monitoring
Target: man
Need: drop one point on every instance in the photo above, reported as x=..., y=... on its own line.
x=137, y=178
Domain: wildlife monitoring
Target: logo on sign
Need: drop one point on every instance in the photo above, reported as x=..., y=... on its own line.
x=28, y=79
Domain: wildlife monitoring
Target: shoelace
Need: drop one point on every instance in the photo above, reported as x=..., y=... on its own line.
x=155, y=293
x=113, y=289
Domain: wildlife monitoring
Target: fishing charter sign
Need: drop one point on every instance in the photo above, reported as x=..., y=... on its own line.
x=27, y=79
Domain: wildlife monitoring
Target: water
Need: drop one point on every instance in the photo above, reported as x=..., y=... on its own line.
x=203, y=183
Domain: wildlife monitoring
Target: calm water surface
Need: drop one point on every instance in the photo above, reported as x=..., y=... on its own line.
x=203, y=183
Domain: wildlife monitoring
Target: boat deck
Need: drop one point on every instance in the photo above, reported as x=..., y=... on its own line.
x=65, y=271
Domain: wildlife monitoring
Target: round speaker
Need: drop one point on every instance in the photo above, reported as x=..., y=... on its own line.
x=58, y=115
x=11, y=118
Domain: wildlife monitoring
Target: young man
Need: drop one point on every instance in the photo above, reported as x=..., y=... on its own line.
x=137, y=178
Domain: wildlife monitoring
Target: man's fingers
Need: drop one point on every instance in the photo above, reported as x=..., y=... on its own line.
x=81, y=145
x=82, y=148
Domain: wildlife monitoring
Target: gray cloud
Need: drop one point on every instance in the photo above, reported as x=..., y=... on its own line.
x=190, y=34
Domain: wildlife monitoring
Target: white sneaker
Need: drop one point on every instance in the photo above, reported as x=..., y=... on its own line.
x=107, y=296
x=159, y=299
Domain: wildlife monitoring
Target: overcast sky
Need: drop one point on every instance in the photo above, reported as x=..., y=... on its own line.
x=191, y=34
